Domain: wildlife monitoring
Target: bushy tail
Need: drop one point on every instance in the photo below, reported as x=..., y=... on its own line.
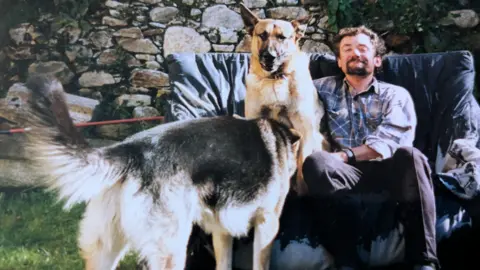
x=59, y=150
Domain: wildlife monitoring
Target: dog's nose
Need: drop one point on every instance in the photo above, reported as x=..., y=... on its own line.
x=272, y=52
x=268, y=55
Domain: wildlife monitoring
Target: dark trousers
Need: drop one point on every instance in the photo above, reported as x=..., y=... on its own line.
x=405, y=177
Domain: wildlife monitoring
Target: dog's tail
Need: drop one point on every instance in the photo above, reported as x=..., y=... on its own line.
x=63, y=157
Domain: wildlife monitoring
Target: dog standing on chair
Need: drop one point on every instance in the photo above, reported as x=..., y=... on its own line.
x=225, y=174
x=279, y=85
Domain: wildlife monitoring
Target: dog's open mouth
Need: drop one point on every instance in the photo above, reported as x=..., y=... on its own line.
x=270, y=63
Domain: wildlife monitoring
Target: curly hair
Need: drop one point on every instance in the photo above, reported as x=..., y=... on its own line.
x=377, y=42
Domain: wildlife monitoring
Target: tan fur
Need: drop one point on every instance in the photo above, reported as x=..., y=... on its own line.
x=290, y=96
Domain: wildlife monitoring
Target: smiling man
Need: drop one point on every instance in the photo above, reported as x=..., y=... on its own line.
x=372, y=126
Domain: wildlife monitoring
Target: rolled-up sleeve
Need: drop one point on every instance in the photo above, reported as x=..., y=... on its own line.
x=398, y=124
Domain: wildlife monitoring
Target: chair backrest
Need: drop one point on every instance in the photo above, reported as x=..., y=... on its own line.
x=441, y=85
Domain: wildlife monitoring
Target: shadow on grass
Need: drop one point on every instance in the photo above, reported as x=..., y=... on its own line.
x=35, y=233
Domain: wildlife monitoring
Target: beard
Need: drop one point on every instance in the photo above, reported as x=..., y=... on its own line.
x=361, y=70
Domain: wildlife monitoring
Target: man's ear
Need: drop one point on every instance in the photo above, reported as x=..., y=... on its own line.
x=249, y=18
x=377, y=61
x=300, y=26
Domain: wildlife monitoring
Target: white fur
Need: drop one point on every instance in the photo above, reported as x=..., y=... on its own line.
x=121, y=216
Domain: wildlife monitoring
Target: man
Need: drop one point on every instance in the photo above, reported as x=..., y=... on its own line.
x=373, y=125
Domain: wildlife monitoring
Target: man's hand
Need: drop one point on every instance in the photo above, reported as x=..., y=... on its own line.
x=340, y=156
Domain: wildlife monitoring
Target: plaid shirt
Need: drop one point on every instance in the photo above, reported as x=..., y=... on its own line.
x=383, y=117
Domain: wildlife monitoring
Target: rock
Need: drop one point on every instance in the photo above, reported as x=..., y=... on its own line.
x=221, y=16
x=227, y=35
x=110, y=21
x=138, y=90
x=383, y=25
x=80, y=108
x=183, y=39
x=53, y=68
x=318, y=36
x=323, y=23
x=195, y=12
x=152, y=65
x=149, y=78
x=133, y=100
x=315, y=46
x=153, y=32
x=114, y=132
x=74, y=52
x=101, y=39
x=145, y=57
x=286, y=13
x=19, y=53
x=112, y=57
x=396, y=40
x=116, y=4
x=223, y=48
x=24, y=33
x=157, y=25
x=95, y=79
x=255, y=3
x=465, y=18
x=131, y=32
x=145, y=111
x=139, y=46
x=287, y=2
x=151, y=2
x=163, y=14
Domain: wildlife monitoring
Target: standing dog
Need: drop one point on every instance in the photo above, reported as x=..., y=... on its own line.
x=225, y=174
x=279, y=84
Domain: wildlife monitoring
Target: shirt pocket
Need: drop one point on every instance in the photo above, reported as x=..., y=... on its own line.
x=374, y=113
x=338, y=120
x=374, y=119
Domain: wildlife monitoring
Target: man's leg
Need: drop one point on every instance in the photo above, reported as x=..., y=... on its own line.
x=406, y=176
x=414, y=190
x=325, y=178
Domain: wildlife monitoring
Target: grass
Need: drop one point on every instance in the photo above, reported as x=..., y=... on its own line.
x=35, y=233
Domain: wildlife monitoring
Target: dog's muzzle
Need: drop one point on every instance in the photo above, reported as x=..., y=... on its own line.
x=270, y=60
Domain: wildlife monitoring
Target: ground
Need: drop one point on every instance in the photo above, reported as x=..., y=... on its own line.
x=36, y=234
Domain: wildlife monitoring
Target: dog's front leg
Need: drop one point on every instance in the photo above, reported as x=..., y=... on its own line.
x=266, y=229
x=222, y=246
x=303, y=123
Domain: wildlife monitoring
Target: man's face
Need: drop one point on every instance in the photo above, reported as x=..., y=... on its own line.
x=357, y=56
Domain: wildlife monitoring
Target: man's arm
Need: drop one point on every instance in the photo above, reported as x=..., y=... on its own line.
x=397, y=129
x=362, y=152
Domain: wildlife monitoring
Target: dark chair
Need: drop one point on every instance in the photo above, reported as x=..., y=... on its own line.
x=441, y=84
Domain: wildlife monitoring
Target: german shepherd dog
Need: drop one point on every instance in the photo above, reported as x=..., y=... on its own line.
x=279, y=85
x=225, y=174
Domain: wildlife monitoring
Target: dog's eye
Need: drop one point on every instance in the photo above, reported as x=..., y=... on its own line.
x=263, y=35
x=281, y=37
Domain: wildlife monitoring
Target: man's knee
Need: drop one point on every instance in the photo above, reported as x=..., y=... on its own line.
x=408, y=153
x=417, y=173
x=316, y=169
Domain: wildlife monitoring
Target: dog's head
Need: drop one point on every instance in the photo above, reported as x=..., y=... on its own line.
x=273, y=41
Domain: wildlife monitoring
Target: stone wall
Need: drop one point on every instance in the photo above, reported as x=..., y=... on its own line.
x=115, y=53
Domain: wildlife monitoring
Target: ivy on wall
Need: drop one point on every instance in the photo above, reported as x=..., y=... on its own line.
x=422, y=20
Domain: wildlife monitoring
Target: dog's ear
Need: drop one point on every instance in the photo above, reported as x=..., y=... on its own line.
x=249, y=18
x=300, y=25
x=295, y=139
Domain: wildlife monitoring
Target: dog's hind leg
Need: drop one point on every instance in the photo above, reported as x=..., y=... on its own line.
x=266, y=229
x=222, y=246
x=101, y=242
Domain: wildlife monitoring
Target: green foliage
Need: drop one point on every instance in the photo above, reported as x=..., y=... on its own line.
x=423, y=20
x=35, y=233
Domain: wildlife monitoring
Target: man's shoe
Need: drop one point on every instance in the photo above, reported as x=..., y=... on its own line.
x=424, y=267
